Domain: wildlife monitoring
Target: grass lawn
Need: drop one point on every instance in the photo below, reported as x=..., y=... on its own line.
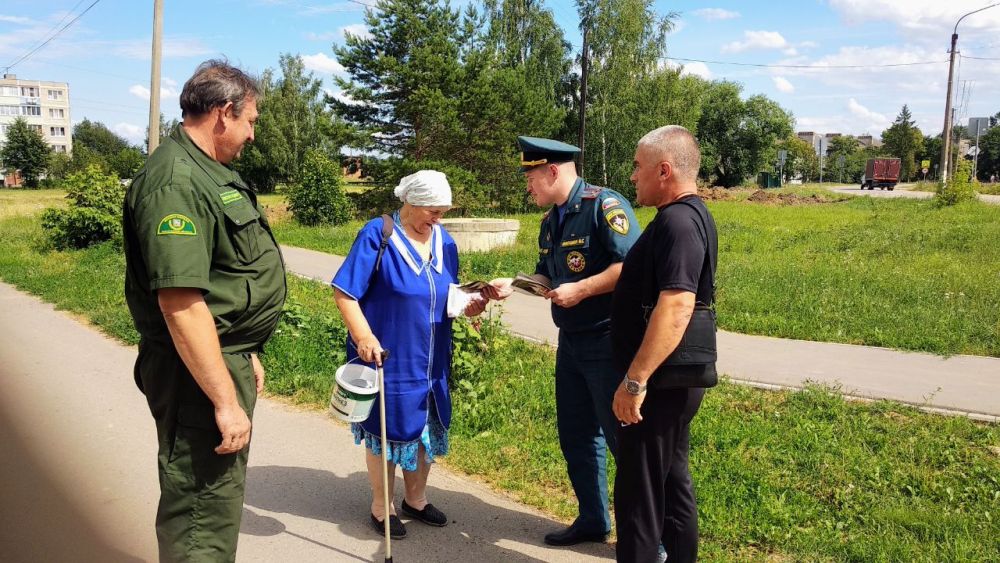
x=801, y=476
x=880, y=272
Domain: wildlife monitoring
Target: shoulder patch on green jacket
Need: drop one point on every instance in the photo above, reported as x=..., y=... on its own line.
x=176, y=224
x=591, y=192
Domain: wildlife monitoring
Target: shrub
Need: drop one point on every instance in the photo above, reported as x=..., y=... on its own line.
x=960, y=187
x=319, y=195
x=94, y=214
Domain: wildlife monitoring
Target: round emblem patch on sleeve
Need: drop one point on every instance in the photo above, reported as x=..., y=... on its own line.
x=576, y=262
x=618, y=221
x=176, y=224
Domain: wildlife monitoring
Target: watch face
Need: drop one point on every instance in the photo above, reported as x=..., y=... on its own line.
x=632, y=386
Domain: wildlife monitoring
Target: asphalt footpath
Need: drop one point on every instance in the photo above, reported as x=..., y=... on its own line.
x=962, y=385
x=78, y=469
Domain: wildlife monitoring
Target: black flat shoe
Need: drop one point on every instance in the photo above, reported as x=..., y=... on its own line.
x=397, y=530
x=573, y=535
x=429, y=515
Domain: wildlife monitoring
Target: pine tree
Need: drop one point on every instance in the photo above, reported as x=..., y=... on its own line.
x=904, y=141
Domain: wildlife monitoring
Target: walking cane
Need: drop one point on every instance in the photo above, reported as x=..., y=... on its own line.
x=385, y=454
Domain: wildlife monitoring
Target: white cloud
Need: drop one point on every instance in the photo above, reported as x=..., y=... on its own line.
x=325, y=36
x=875, y=120
x=697, y=69
x=757, y=40
x=135, y=134
x=173, y=48
x=168, y=89
x=15, y=20
x=921, y=15
x=783, y=85
x=715, y=14
x=320, y=62
x=356, y=29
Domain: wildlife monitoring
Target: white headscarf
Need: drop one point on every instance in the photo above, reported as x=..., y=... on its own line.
x=426, y=188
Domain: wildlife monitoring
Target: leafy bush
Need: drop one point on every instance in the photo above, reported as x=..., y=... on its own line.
x=319, y=196
x=94, y=214
x=960, y=187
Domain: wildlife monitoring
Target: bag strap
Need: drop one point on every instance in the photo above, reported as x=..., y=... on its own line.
x=648, y=279
x=386, y=233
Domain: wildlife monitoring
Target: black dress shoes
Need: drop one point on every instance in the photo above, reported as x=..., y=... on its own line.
x=573, y=535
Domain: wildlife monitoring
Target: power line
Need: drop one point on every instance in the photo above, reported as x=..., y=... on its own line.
x=56, y=34
x=813, y=66
x=979, y=58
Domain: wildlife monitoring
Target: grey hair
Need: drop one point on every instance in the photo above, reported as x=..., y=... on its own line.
x=676, y=145
x=215, y=83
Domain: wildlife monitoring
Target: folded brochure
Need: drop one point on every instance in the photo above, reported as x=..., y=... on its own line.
x=521, y=282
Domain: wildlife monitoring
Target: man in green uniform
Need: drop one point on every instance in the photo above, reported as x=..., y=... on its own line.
x=582, y=243
x=205, y=284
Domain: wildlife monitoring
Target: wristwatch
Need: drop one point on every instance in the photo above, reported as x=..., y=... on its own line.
x=634, y=387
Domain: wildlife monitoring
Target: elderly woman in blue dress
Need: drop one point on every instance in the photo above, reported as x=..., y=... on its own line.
x=406, y=307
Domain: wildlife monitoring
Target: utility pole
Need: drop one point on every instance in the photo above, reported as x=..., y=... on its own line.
x=584, y=63
x=154, y=80
x=946, y=134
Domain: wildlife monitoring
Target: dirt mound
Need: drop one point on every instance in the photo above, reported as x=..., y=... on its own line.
x=715, y=194
x=772, y=198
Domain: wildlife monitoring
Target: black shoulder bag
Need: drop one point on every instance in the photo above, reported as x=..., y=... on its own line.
x=386, y=233
x=698, y=344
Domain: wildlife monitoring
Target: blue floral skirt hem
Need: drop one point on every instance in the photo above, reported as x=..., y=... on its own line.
x=434, y=438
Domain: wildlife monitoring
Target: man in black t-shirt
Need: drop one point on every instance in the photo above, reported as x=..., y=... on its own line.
x=674, y=261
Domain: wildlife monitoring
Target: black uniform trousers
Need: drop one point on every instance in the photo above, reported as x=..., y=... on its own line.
x=654, y=496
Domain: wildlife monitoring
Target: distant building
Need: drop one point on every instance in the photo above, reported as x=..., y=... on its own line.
x=810, y=137
x=45, y=105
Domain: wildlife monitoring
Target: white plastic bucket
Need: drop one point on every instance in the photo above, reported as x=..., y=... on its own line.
x=354, y=392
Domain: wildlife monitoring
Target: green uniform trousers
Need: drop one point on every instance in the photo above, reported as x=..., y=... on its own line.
x=201, y=492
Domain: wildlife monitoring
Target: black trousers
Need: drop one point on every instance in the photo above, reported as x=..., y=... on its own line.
x=654, y=495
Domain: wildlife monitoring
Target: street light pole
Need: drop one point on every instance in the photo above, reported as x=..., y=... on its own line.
x=946, y=134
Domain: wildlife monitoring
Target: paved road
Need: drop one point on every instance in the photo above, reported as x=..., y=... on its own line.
x=966, y=384
x=78, y=473
x=901, y=192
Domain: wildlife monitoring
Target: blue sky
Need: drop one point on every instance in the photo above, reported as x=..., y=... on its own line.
x=105, y=55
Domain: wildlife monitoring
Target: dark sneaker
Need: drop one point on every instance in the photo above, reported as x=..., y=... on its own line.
x=429, y=515
x=397, y=530
x=573, y=535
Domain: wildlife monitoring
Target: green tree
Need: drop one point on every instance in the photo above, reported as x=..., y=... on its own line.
x=848, y=148
x=904, y=141
x=96, y=145
x=25, y=151
x=801, y=161
x=738, y=139
x=627, y=40
x=294, y=119
x=318, y=197
x=989, y=158
x=97, y=137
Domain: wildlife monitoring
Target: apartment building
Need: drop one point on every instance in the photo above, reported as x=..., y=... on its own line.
x=45, y=105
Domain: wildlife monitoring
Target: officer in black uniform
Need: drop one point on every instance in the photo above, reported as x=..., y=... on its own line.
x=583, y=240
x=205, y=284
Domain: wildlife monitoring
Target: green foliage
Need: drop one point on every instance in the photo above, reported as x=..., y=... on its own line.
x=989, y=157
x=319, y=197
x=960, y=187
x=293, y=120
x=738, y=138
x=26, y=151
x=94, y=213
x=904, y=141
x=58, y=168
x=801, y=161
x=95, y=144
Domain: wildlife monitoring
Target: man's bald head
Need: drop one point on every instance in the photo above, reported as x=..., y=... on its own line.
x=676, y=145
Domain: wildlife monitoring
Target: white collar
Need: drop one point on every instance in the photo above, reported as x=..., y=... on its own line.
x=406, y=250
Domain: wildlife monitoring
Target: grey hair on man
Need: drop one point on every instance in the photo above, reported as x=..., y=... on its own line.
x=676, y=145
x=215, y=83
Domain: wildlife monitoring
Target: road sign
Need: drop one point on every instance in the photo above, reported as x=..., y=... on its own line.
x=782, y=157
x=925, y=164
x=924, y=169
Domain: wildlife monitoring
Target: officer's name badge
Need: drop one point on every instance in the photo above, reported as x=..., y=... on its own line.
x=176, y=224
x=618, y=221
x=231, y=196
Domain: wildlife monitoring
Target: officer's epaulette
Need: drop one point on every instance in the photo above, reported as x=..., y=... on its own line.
x=591, y=192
